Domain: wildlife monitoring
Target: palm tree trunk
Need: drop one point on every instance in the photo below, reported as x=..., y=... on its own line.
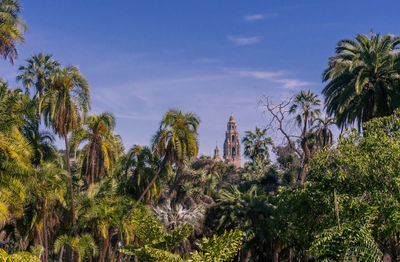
x=336, y=208
x=305, y=257
x=306, y=160
x=277, y=250
x=92, y=175
x=291, y=254
x=147, y=188
x=114, y=252
x=60, y=256
x=104, y=250
x=71, y=189
x=46, y=248
x=38, y=236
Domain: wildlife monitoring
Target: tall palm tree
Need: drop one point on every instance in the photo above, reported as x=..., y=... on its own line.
x=37, y=73
x=98, y=153
x=305, y=104
x=362, y=79
x=322, y=131
x=139, y=166
x=48, y=186
x=256, y=145
x=12, y=29
x=64, y=107
x=42, y=142
x=175, y=142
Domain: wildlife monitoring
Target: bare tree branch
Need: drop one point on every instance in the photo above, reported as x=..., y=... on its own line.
x=279, y=113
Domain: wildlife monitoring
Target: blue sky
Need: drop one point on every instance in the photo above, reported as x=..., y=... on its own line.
x=210, y=57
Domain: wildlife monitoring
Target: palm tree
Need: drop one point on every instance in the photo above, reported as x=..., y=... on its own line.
x=175, y=142
x=174, y=216
x=102, y=211
x=98, y=153
x=47, y=185
x=42, y=142
x=37, y=73
x=82, y=245
x=64, y=107
x=362, y=79
x=13, y=145
x=256, y=144
x=322, y=131
x=248, y=211
x=306, y=104
x=139, y=166
x=12, y=29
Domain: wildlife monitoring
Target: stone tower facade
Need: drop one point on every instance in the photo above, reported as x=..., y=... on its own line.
x=232, y=144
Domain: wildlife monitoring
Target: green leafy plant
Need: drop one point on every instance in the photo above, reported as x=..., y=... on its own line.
x=16, y=257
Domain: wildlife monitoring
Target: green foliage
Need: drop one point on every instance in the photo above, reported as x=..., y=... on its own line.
x=16, y=257
x=364, y=171
x=155, y=243
x=353, y=242
x=150, y=231
x=245, y=209
x=218, y=248
x=12, y=29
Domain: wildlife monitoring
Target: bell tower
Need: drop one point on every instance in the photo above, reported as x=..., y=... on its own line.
x=232, y=144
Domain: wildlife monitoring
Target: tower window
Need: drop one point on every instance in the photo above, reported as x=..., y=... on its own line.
x=233, y=137
x=233, y=151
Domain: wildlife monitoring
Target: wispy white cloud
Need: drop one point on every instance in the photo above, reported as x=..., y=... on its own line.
x=241, y=41
x=266, y=75
x=292, y=83
x=279, y=77
x=256, y=17
x=205, y=60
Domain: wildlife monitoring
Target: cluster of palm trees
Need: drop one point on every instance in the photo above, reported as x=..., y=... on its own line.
x=92, y=201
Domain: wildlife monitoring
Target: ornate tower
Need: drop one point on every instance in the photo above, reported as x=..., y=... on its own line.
x=232, y=144
x=216, y=154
